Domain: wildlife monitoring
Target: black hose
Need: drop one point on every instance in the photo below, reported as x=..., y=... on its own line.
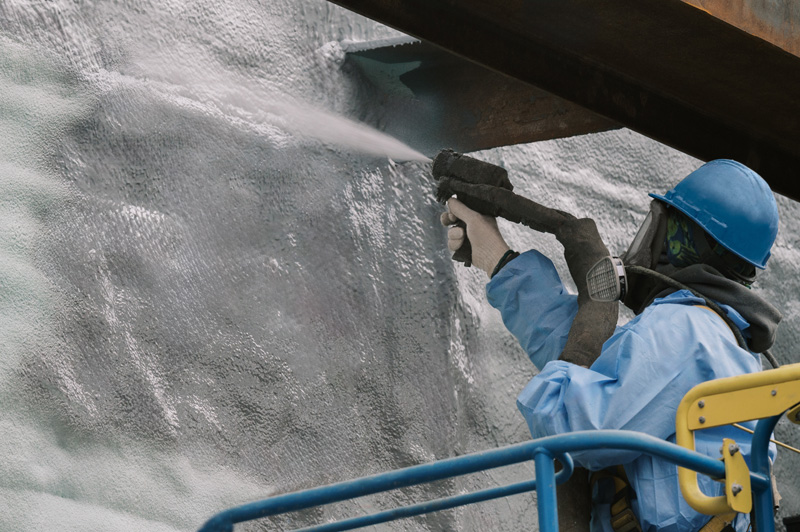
x=771, y=358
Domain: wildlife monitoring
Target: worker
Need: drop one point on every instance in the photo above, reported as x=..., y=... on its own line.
x=720, y=223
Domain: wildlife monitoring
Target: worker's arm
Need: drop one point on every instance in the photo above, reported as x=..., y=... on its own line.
x=534, y=304
x=638, y=380
x=527, y=290
x=548, y=322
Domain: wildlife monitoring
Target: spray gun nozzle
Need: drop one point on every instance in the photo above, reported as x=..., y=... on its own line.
x=449, y=163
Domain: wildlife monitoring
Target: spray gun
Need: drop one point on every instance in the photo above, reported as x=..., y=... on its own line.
x=449, y=165
x=485, y=188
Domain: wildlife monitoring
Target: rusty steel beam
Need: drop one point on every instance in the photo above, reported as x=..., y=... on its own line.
x=432, y=98
x=663, y=68
x=775, y=21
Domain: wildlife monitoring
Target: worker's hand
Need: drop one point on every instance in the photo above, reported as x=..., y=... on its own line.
x=488, y=246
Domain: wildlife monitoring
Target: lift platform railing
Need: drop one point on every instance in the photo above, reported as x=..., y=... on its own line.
x=544, y=451
x=766, y=396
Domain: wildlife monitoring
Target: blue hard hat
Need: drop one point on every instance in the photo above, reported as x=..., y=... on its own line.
x=733, y=204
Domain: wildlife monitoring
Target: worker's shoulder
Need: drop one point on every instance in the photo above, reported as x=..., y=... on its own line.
x=679, y=297
x=682, y=305
x=681, y=302
x=683, y=309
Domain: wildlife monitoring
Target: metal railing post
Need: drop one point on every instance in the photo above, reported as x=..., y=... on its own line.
x=759, y=458
x=546, y=490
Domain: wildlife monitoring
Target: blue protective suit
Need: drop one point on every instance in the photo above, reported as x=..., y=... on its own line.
x=643, y=372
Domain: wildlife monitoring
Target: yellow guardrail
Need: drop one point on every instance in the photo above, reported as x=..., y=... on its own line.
x=725, y=402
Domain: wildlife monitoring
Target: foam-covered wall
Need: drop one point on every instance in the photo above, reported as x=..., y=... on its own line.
x=206, y=297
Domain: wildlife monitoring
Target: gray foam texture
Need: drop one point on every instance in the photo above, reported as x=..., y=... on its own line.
x=207, y=299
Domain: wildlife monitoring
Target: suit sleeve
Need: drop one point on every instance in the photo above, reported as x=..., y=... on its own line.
x=534, y=304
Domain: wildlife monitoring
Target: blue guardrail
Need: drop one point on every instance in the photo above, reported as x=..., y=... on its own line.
x=543, y=452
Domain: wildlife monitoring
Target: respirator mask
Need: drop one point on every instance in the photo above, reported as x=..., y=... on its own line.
x=607, y=280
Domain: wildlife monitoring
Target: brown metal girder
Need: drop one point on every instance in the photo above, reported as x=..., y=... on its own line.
x=452, y=102
x=660, y=67
x=776, y=21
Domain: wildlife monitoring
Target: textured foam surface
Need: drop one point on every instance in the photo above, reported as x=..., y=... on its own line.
x=214, y=289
